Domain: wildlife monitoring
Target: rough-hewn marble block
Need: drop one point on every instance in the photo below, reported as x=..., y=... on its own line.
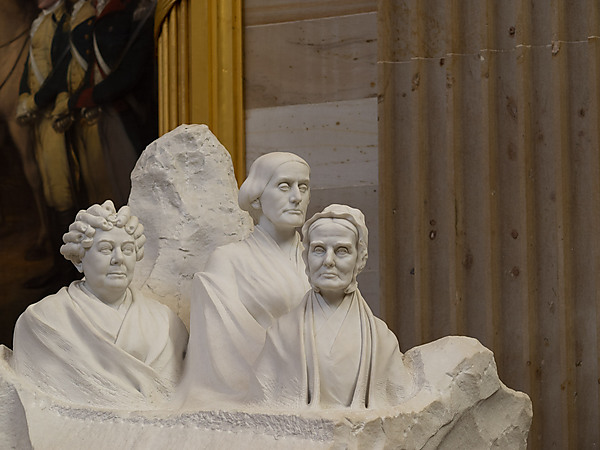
x=461, y=405
x=185, y=194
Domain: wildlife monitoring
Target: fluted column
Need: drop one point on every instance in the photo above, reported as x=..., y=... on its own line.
x=200, y=70
x=490, y=192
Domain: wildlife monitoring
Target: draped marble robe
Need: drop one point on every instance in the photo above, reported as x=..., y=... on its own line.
x=319, y=357
x=79, y=349
x=245, y=286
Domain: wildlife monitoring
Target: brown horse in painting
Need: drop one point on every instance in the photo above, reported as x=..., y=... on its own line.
x=15, y=20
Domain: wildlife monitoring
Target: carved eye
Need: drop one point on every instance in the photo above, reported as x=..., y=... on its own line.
x=342, y=251
x=303, y=188
x=284, y=186
x=128, y=249
x=105, y=248
x=319, y=250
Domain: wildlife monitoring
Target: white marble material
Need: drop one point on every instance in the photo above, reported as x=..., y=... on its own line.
x=184, y=187
x=461, y=404
x=249, y=284
x=98, y=342
x=364, y=198
x=14, y=432
x=339, y=141
x=330, y=351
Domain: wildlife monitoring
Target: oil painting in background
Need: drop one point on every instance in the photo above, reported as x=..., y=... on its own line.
x=78, y=106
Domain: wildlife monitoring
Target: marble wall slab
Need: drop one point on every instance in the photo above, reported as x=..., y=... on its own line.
x=310, y=61
x=339, y=140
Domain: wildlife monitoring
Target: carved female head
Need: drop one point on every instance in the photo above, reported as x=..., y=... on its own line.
x=105, y=245
x=335, y=249
x=277, y=189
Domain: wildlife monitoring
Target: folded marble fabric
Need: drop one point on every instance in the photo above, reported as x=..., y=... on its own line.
x=75, y=347
x=349, y=359
x=245, y=286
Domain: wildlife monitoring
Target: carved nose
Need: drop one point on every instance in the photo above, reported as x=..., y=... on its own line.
x=117, y=256
x=295, y=196
x=329, y=262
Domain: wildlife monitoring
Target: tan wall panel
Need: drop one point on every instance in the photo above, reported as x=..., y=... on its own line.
x=550, y=222
x=473, y=221
x=510, y=215
x=310, y=61
x=437, y=236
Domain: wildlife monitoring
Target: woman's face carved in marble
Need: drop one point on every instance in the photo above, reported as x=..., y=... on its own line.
x=332, y=257
x=285, y=198
x=109, y=263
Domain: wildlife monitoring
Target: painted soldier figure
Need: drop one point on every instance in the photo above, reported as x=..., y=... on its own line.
x=82, y=134
x=43, y=95
x=117, y=86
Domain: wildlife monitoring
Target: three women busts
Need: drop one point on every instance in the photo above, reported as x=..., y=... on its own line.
x=259, y=331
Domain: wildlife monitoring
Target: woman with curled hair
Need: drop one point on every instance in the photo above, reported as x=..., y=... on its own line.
x=98, y=342
x=331, y=351
x=246, y=285
x=80, y=236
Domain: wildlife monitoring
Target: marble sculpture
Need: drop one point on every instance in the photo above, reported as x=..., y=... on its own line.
x=272, y=361
x=246, y=285
x=331, y=351
x=97, y=342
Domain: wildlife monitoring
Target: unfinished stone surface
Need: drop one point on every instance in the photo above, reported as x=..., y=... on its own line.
x=184, y=191
x=14, y=432
x=461, y=404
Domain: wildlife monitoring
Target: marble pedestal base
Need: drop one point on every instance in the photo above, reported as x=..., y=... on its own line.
x=461, y=404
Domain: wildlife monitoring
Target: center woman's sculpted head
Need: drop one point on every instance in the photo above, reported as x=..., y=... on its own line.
x=277, y=190
x=105, y=245
x=335, y=250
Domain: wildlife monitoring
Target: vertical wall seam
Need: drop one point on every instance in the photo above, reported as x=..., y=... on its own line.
x=564, y=241
x=488, y=76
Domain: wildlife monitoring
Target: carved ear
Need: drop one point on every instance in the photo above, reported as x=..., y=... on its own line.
x=256, y=204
